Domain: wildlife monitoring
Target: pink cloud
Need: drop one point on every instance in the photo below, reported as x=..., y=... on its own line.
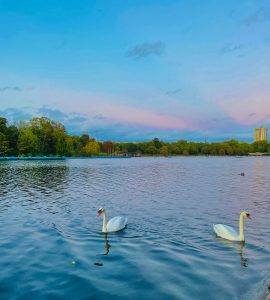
x=138, y=116
x=247, y=108
x=109, y=106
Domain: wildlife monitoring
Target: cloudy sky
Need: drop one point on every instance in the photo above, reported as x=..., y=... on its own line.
x=132, y=70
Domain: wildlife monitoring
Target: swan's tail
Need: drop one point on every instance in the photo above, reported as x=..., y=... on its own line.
x=214, y=227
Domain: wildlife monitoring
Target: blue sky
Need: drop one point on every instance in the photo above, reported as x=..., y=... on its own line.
x=133, y=70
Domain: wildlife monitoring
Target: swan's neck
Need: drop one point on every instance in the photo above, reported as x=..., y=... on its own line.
x=104, y=226
x=241, y=228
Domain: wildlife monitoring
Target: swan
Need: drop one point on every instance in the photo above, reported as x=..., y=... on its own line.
x=229, y=233
x=115, y=224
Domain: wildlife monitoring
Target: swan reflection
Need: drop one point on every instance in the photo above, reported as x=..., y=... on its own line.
x=239, y=247
x=107, y=244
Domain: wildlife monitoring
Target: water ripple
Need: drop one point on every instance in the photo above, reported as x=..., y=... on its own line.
x=52, y=245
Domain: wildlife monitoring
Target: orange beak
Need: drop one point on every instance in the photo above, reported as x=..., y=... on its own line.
x=99, y=213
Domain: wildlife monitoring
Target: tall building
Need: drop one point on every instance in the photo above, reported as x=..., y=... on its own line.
x=260, y=134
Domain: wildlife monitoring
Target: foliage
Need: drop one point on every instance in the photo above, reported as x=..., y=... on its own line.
x=42, y=136
x=164, y=151
x=91, y=148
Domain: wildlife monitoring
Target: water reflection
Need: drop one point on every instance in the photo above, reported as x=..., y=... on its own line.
x=107, y=244
x=43, y=178
x=259, y=181
x=6, y=182
x=28, y=183
x=47, y=217
x=239, y=247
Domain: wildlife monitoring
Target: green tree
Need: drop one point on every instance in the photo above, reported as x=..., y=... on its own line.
x=91, y=148
x=261, y=146
x=3, y=125
x=157, y=143
x=44, y=129
x=59, y=137
x=151, y=149
x=74, y=146
x=12, y=137
x=3, y=145
x=84, y=139
x=28, y=143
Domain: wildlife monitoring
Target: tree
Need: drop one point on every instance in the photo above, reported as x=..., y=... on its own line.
x=73, y=146
x=12, y=137
x=42, y=136
x=3, y=145
x=59, y=139
x=3, y=125
x=151, y=149
x=260, y=146
x=108, y=147
x=164, y=151
x=28, y=143
x=157, y=143
x=91, y=148
x=84, y=139
x=44, y=129
x=185, y=152
x=131, y=147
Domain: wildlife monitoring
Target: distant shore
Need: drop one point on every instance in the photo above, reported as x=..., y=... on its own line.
x=42, y=137
x=8, y=158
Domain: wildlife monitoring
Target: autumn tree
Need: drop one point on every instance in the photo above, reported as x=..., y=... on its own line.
x=164, y=151
x=91, y=148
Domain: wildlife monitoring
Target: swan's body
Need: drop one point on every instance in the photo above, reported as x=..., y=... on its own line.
x=115, y=224
x=229, y=233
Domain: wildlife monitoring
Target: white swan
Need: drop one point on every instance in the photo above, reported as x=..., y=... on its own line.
x=115, y=224
x=229, y=233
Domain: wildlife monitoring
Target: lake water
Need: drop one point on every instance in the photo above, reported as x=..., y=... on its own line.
x=52, y=246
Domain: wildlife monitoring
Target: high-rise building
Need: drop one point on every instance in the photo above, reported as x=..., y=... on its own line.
x=260, y=134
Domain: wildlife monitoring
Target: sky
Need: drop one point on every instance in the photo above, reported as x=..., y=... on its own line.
x=127, y=70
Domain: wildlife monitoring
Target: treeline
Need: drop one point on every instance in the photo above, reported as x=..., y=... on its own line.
x=44, y=137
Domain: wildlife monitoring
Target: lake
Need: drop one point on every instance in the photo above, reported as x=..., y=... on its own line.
x=52, y=246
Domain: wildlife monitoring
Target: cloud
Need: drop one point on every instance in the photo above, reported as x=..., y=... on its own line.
x=247, y=107
x=146, y=49
x=98, y=117
x=60, y=116
x=261, y=15
x=103, y=127
x=173, y=92
x=230, y=48
x=14, y=114
x=78, y=119
x=266, y=118
x=52, y=113
x=10, y=88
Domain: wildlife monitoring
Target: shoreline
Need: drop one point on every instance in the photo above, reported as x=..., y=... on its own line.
x=9, y=158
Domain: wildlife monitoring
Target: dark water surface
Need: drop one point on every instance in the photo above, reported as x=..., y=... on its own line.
x=52, y=246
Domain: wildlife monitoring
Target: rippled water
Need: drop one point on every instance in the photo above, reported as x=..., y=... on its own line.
x=52, y=246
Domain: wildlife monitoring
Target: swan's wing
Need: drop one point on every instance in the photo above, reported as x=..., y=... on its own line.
x=226, y=232
x=117, y=223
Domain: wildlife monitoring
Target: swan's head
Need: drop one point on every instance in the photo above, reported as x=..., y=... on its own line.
x=247, y=215
x=100, y=211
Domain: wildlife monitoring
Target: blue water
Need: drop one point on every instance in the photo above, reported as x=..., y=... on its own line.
x=52, y=246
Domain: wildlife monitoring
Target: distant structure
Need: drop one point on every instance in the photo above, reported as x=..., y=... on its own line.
x=260, y=134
